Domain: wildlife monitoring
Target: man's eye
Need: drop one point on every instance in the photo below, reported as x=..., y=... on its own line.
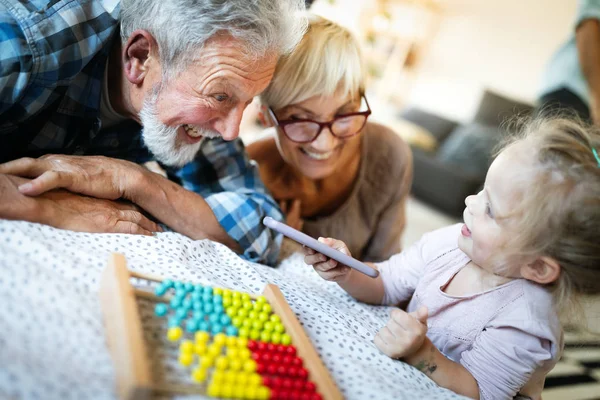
x=221, y=97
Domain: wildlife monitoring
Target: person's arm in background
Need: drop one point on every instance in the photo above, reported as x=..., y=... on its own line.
x=588, y=47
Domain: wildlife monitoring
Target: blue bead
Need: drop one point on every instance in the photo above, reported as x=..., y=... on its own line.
x=196, y=296
x=167, y=283
x=160, y=290
x=208, y=308
x=208, y=289
x=176, y=302
x=217, y=299
x=218, y=308
x=216, y=328
x=199, y=289
x=188, y=286
x=214, y=318
x=181, y=313
x=180, y=292
x=231, y=331
x=197, y=306
x=174, y=321
x=187, y=304
x=178, y=285
x=161, y=309
x=207, y=298
x=225, y=320
x=203, y=326
x=191, y=325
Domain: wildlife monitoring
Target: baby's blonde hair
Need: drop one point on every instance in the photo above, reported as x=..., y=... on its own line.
x=327, y=58
x=559, y=215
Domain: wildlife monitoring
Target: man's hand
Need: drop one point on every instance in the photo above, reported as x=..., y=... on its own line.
x=65, y=210
x=404, y=333
x=96, y=176
x=291, y=209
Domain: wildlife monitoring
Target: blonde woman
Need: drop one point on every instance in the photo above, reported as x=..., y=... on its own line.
x=334, y=173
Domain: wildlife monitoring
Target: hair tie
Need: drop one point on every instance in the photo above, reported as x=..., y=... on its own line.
x=596, y=155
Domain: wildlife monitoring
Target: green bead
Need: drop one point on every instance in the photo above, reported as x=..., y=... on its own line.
x=237, y=321
x=226, y=301
x=257, y=325
x=278, y=327
x=265, y=336
x=275, y=338
x=263, y=317
x=254, y=334
x=286, y=339
x=244, y=333
x=267, y=308
x=268, y=326
x=275, y=318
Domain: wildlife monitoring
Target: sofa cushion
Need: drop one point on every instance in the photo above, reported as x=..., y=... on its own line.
x=439, y=127
x=495, y=109
x=470, y=147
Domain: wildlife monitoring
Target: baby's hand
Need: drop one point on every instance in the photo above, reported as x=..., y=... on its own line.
x=404, y=333
x=328, y=268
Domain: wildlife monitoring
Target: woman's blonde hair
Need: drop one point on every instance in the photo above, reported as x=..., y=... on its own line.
x=559, y=215
x=327, y=58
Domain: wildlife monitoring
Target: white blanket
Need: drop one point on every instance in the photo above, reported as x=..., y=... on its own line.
x=51, y=334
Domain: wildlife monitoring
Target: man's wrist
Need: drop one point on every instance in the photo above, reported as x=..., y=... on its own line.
x=136, y=184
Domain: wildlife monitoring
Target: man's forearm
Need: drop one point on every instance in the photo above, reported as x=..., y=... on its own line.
x=443, y=371
x=588, y=48
x=184, y=211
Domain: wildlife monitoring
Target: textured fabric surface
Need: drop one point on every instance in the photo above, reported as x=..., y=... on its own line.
x=52, y=344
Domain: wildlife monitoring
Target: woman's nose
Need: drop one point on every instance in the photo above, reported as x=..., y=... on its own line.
x=325, y=141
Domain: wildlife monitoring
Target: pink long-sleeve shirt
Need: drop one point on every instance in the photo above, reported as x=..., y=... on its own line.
x=508, y=337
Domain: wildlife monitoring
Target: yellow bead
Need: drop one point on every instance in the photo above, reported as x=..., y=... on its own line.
x=226, y=293
x=254, y=334
x=267, y=308
x=251, y=392
x=226, y=301
x=237, y=303
x=214, y=390
x=218, y=377
x=249, y=366
x=247, y=305
x=174, y=333
x=231, y=341
x=186, y=359
x=275, y=318
x=244, y=354
x=236, y=295
x=231, y=311
x=275, y=338
x=218, y=291
x=214, y=350
x=242, y=342
x=221, y=363
x=200, y=349
x=235, y=364
x=254, y=380
x=207, y=361
x=220, y=339
x=238, y=392
x=286, y=339
x=242, y=378
x=261, y=299
x=199, y=375
x=230, y=377
x=233, y=352
x=246, y=297
x=263, y=393
x=187, y=346
x=201, y=337
x=226, y=391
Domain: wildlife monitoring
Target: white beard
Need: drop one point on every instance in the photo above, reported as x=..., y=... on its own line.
x=162, y=140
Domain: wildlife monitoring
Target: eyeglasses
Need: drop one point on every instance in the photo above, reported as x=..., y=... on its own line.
x=307, y=130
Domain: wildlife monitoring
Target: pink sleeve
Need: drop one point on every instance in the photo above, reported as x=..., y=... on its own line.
x=401, y=273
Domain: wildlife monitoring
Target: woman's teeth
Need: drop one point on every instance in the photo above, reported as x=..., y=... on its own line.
x=190, y=130
x=318, y=156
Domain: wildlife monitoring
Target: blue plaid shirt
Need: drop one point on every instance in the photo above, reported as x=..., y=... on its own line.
x=52, y=60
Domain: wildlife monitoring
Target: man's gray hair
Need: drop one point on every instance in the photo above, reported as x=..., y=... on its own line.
x=181, y=27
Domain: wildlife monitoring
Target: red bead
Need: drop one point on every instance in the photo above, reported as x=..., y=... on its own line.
x=261, y=346
x=276, y=358
x=297, y=362
x=275, y=394
x=284, y=394
x=251, y=345
x=292, y=371
x=298, y=385
x=267, y=381
x=281, y=348
x=271, y=347
x=310, y=386
x=287, y=383
x=282, y=370
x=276, y=382
x=316, y=396
x=256, y=356
x=261, y=368
x=287, y=360
x=291, y=350
x=295, y=395
x=302, y=373
x=306, y=396
x=271, y=369
x=266, y=357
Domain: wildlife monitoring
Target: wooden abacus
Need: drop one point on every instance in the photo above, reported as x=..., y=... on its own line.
x=127, y=346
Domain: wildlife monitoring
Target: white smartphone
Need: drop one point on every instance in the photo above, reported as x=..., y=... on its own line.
x=314, y=244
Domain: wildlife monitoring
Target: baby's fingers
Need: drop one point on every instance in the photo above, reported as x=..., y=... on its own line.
x=308, y=251
x=315, y=258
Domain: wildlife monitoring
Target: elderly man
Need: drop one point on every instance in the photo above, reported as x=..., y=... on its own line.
x=172, y=89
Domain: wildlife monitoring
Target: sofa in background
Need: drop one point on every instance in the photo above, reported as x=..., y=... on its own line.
x=451, y=159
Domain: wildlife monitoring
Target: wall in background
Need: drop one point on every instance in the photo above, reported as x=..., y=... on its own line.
x=500, y=44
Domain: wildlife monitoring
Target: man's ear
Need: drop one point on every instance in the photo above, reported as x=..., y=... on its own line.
x=137, y=55
x=544, y=270
x=264, y=117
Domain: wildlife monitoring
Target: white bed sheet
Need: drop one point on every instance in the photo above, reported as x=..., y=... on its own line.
x=51, y=334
